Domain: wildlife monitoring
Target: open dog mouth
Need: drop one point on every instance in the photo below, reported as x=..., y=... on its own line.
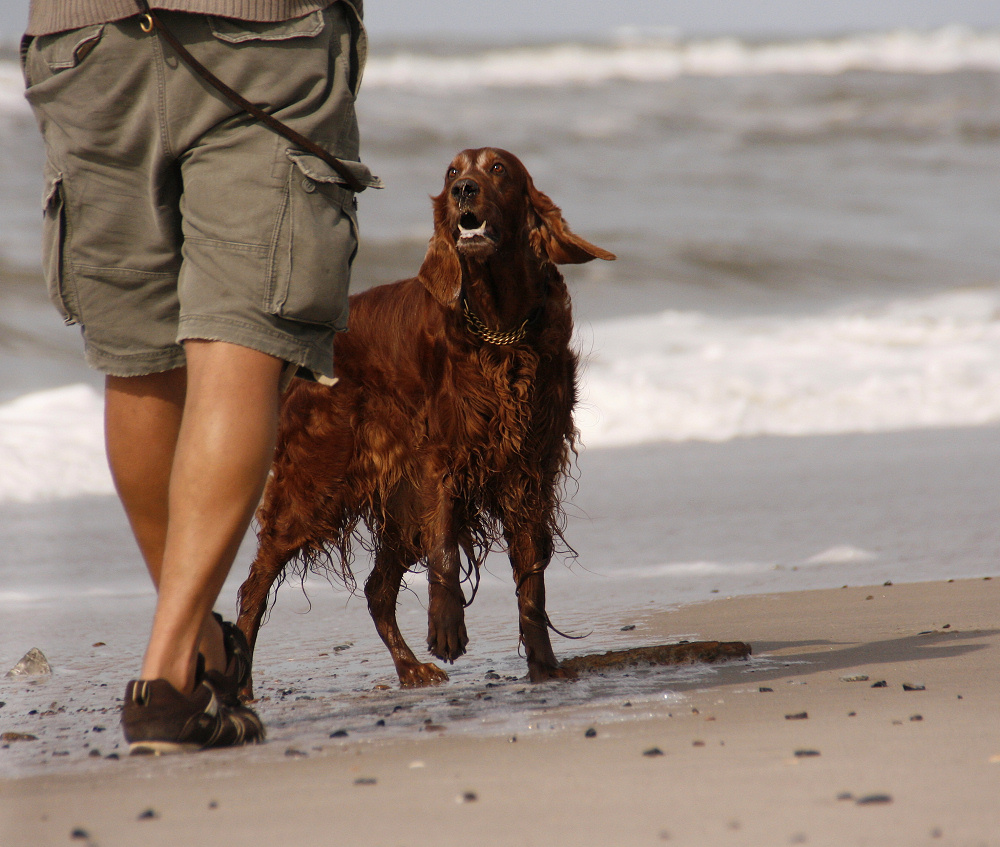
x=470, y=227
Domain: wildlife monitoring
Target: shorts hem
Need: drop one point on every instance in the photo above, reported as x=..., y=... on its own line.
x=317, y=357
x=135, y=364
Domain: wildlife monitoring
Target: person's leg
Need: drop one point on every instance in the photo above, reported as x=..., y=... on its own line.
x=224, y=442
x=142, y=419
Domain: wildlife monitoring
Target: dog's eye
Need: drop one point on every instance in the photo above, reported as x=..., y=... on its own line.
x=498, y=168
x=452, y=173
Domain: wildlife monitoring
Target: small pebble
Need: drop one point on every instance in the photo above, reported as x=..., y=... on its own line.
x=916, y=717
x=79, y=832
x=880, y=684
x=697, y=743
x=492, y=675
x=365, y=780
x=213, y=804
x=845, y=795
x=765, y=690
x=653, y=751
x=805, y=754
x=628, y=627
x=914, y=686
x=148, y=815
x=291, y=752
x=94, y=754
x=798, y=716
x=467, y=797
x=858, y=677
x=17, y=736
x=340, y=733
x=873, y=800
x=380, y=722
x=590, y=733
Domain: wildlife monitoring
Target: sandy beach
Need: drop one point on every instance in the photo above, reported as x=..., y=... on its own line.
x=867, y=716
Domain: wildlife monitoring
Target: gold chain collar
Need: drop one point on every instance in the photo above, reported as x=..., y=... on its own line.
x=479, y=329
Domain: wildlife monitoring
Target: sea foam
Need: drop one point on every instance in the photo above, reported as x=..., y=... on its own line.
x=633, y=58
x=944, y=50
x=673, y=376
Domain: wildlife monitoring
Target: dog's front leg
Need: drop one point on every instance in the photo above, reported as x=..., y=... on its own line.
x=446, y=634
x=530, y=550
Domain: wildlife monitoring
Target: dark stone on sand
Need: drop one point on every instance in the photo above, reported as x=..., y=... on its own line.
x=916, y=717
x=292, y=753
x=340, y=733
x=707, y=652
x=765, y=690
x=805, y=754
x=148, y=815
x=492, y=675
x=590, y=733
x=628, y=627
x=652, y=751
x=914, y=686
x=797, y=716
x=880, y=684
x=366, y=780
x=94, y=754
x=213, y=804
x=469, y=797
x=873, y=800
x=845, y=795
x=79, y=833
x=380, y=722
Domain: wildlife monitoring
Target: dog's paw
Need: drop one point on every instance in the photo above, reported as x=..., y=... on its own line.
x=543, y=673
x=447, y=637
x=421, y=675
x=447, y=641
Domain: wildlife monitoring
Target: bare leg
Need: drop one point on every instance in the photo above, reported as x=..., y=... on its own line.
x=217, y=438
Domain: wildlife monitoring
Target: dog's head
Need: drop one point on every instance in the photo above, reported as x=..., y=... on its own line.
x=489, y=207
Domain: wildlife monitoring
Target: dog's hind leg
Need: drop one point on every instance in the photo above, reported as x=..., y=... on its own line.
x=267, y=566
x=530, y=551
x=382, y=591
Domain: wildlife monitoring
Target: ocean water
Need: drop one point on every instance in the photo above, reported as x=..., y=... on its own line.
x=808, y=263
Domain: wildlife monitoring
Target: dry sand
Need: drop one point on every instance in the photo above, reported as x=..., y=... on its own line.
x=860, y=765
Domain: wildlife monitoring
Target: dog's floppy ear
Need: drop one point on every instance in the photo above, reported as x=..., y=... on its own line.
x=441, y=272
x=551, y=237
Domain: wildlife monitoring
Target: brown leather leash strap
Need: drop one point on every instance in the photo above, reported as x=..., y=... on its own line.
x=150, y=22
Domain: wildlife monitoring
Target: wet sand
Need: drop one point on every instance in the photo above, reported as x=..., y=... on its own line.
x=803, y=744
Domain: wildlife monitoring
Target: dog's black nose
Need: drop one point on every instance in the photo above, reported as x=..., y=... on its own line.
x=464, y=189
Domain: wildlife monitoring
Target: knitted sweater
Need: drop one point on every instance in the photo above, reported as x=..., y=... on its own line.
x=48, y=16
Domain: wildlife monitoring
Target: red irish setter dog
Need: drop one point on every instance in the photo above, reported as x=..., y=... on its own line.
x=450, y=428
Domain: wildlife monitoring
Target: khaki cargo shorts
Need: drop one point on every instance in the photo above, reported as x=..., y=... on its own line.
x=170, y=215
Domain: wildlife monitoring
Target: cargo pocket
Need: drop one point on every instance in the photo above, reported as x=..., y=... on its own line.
x=237, y=31
x=54, y=244
x=316, y=240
